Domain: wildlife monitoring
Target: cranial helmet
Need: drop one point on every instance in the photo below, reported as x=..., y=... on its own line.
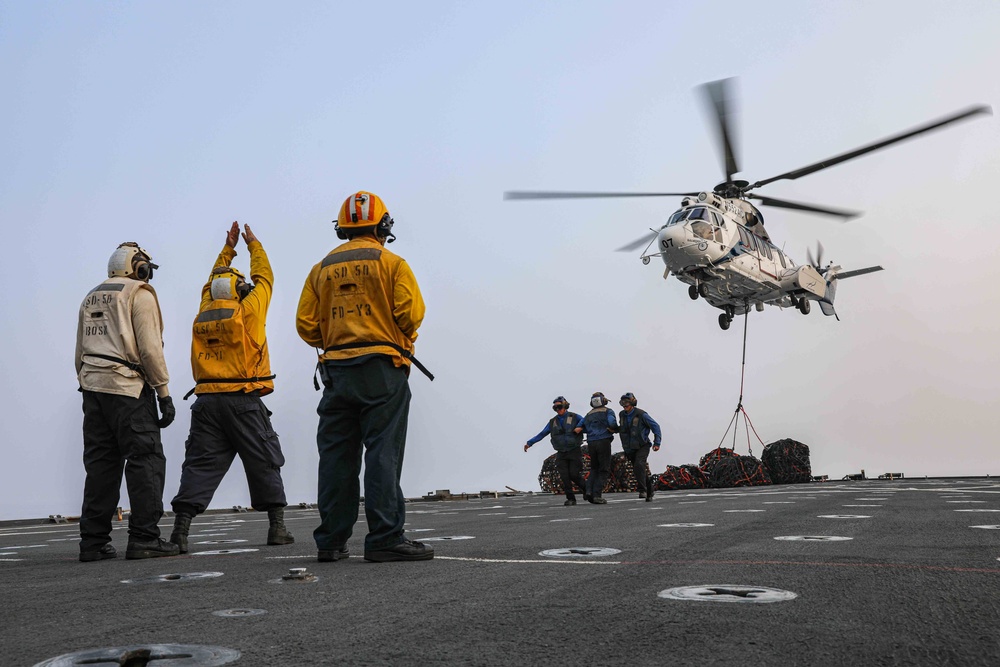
x=598, y=400
x=627, y=399
x=131, y=261
x=364, y=209
x=560, y=402
x=229, y=284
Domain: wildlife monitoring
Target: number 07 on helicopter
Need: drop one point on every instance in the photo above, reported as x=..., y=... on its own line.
x=716, y=242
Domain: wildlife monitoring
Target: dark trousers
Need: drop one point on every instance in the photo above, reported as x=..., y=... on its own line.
x=120, y=433
x=600, y=466
x=637, y=457
x=222, y=427
x=570, y=466
x=364, y=408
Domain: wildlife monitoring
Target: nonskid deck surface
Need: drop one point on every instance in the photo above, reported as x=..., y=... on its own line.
x=684, y=579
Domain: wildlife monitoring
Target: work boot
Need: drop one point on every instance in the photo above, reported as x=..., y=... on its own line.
x=156, y=548
x=599, y=501
x=649, y=493
x=277, y=533
x=589, y=498
x=182, y=524
x=570, y=501
x=405, y=550
x=105, y=552
x=332, y=555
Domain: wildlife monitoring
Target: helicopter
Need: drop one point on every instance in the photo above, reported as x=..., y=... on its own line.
x=716, y=242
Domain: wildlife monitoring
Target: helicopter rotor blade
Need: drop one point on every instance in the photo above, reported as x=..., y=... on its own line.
x=810, y=258
x=520, y=194
x=718, y=95
x=638, y=243
x=809, y=208
x=829, y=162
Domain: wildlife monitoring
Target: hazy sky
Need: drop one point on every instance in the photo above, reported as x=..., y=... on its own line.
x=163, y=122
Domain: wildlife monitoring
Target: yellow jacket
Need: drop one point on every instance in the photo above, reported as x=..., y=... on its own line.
x=361, y=293
x=229, y=340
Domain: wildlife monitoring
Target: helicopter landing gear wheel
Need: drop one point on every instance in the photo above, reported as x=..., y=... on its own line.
x=724, y=321
x=804, y=306
x=645, y=260
x=693, y=292
x=703, y=290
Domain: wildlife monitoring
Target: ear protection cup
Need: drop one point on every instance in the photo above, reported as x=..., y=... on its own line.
x=143, y=271
x=341, y=234
x=384, y=228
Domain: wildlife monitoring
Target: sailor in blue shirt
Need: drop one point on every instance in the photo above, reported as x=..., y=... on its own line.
x=600, y=425
x=635, y=427
x=566, y=431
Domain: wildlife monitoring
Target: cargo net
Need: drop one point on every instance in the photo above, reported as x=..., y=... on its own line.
x=708, y=462
x=621, y=479
x=738, y=471
x=681, y=477
x=787, y=462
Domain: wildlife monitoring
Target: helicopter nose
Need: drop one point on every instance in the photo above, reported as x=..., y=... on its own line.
x=671, y=238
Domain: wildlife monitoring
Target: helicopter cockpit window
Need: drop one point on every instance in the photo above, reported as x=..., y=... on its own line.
x=703, y=230
x=719, y=220
x=675, y=218
x=698, y=214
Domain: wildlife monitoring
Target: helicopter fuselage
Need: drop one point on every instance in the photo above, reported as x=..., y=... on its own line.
x=719, y=246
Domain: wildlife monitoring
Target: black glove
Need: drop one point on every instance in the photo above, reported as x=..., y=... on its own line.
x=167, y=410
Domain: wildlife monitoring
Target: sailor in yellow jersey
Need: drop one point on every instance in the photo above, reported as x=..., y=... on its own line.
x=361, y=306
x=232, y=371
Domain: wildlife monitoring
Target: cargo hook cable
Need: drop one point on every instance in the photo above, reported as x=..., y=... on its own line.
x=740, y=410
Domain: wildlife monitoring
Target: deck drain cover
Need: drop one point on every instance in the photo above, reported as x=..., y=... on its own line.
x=983, y=527
x=223, y=552
x=449, y=538
x=728, y=593
x=238, y=613
x=686, y=525
x=843, y=516
x=165, y=655
x=167, y=578
x=580, y=552
x=813, y=538
x=296, y=575
x=221, y=541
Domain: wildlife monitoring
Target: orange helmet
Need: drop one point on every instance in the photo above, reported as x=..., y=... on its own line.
x=362, y=209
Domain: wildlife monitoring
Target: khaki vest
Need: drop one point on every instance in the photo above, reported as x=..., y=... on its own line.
x=106, y=327
x=355, y=290
x=224, y=357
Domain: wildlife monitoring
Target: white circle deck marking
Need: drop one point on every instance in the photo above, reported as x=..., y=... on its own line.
x=582, y=518
x=493, y=514
x=977, y=510
x=448, y=538
x=871, y=499
x=224, y=552
x=813, y=538
x=527, y=516
x=947, y=501
x=239, y=613
x=419, y=530
x=779, y=502
x=691, y=502
x=11, y=560
x=685, y=525
x=861, y=505
x=727, y=593
x=843, y=516
x=983, y=527
x=172, y=577
x=580, y=552
x=744, y=510
x=221, y=541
